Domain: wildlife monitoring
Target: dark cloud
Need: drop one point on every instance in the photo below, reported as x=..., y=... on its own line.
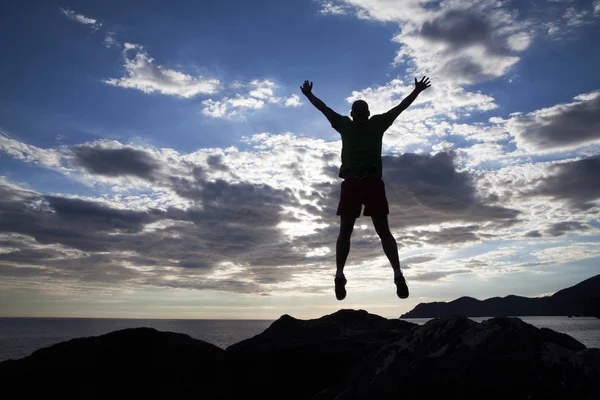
x=116, y=162
x=12, y=194
x=97, y=268
x=461, y=29
x=424, y=189
x=533, y=234
x=81, y=224
x=577, y=182
x=561, y=126
x=562, y=228
x=187, y=188
x=463, y=66
x=437, y=275
x=476, y=264
x=231, y=222
x=464, y=28
x=421, y=190
x=14, y=271
x=236, y=223
x=216, y=162
x=459, y=234
x=98, y=217
x=419, y=259
x=30, y=256
x=193, y=264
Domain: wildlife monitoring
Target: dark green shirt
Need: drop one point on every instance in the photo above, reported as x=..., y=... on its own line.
x=361, y=144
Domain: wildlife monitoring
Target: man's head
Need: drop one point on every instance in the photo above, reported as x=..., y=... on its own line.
x=360, y=110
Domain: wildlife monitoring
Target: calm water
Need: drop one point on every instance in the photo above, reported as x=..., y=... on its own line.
x=19, y=337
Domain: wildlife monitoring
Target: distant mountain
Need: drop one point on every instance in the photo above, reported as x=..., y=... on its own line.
x=582, y=299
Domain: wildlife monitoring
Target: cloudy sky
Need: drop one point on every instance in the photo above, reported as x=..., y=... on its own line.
x=159, y=160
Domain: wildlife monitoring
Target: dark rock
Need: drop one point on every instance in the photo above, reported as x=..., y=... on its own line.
x=454, y=357
x=133, y=363
x=295, y=359
x=345, y=355
x=592, y=307
x=580, y=300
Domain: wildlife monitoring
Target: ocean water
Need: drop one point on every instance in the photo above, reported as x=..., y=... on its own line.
x=19, y=337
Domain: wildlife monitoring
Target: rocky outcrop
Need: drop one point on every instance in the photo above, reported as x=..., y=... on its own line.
x=295, y=359
x=456, y=358
x=131, y=363
x=346, y=355
x=580, y=300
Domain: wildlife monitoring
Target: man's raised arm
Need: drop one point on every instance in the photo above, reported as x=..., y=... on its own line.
x=419, y=87
x=333, y=117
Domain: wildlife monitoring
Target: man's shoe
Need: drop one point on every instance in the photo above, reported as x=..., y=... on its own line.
x=340, y=288
x=401, y=288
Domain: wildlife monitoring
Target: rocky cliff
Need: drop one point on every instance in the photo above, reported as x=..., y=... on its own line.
x=582, y=300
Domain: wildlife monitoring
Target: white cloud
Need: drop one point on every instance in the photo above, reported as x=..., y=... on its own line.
x=260, y=92
x=519, y=41
x=553, y=29
x=293, y=101
x=565, y=17
x=465, y=42
x=144, y=75
x=327, y=7
x=48, y=157
x=573, y=252
x=547, y=194
x=441, y=98
x=479, y=153
x=480, y=132
x=110, y=39
x=245, y=102
x=424, y=121
x=262, y=89
x=81, y=19
x=574, y=17
x=229, y=107
x=442, y=146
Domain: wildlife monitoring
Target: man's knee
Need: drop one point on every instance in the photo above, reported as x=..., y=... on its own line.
x=346, y=227
x=345, y=233
x=381, y=227
x=386, y=236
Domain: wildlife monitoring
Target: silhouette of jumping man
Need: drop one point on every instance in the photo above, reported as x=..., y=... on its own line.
x=362, y=173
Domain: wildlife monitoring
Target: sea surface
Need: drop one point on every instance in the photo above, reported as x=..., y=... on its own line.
x=19, y=337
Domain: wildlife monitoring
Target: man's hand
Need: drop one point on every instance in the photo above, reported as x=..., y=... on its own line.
x=306, y=88
x=422, y=84
x=419, y=87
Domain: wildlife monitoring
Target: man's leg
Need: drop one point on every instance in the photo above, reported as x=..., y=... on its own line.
x=390, y=248
x=342, y=247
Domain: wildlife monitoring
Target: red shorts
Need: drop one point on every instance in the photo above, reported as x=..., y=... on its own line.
x=368, y=191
